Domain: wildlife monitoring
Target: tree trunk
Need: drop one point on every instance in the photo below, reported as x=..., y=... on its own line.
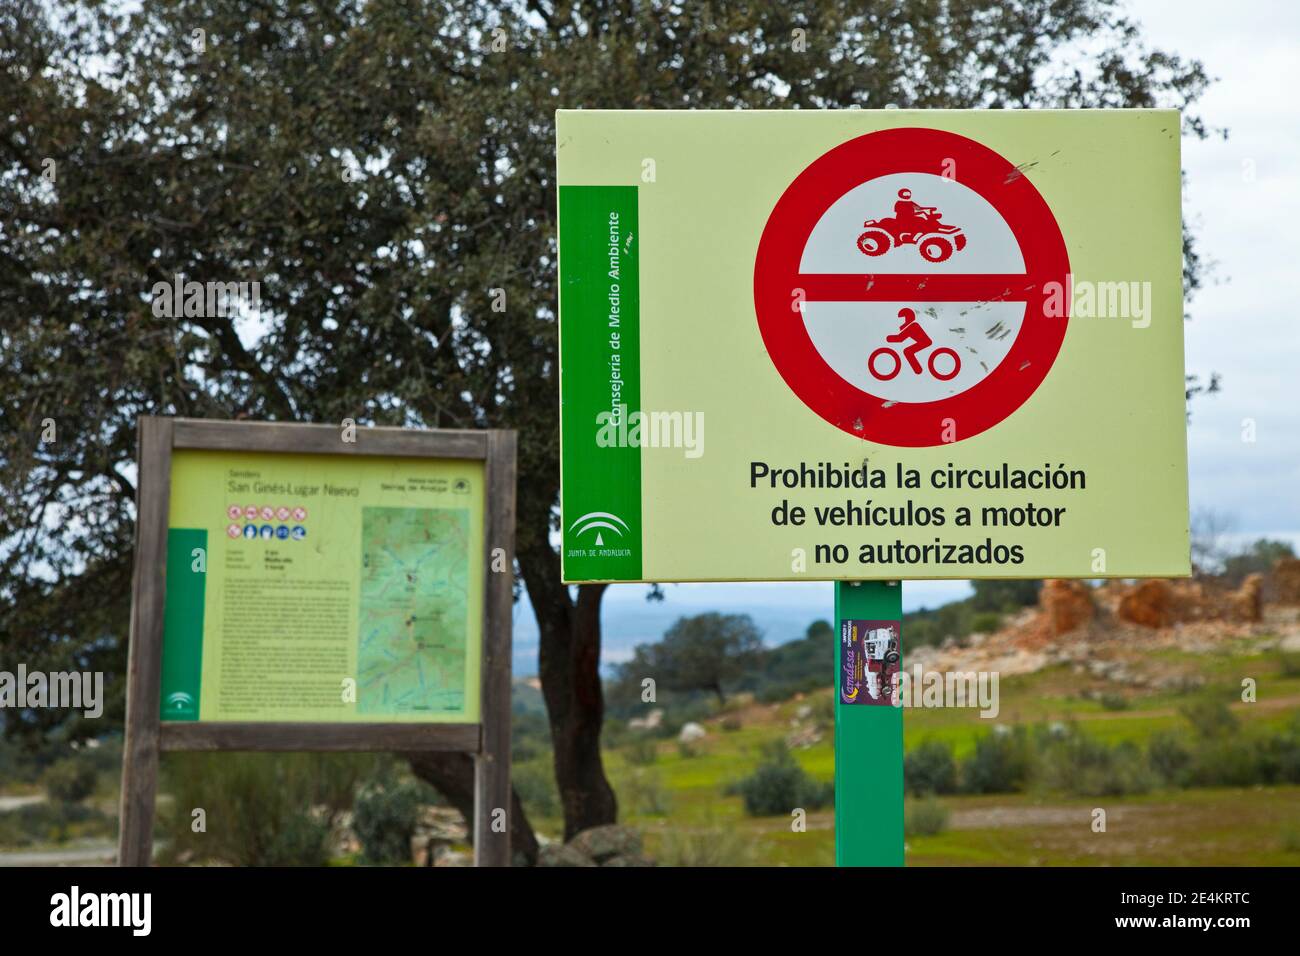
x=569, y=667
x=452, y=775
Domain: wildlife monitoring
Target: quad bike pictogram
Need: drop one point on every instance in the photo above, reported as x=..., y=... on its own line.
x=912, y=225
x=910, y=330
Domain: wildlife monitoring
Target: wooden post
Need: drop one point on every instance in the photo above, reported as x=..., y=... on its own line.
x=146, y=735
x=143, y=674
x=868, y=742
x=492, y=803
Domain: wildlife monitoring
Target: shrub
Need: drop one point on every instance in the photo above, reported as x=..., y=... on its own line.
x=1227, y=762
x=930, y=768
x=926, y=817
x=260, y=809
x=1289, y=663
x=642, y=791
x=779, y=785
x=1210, y=718
x=687, y=749
x=534, y=781
x=1079, y=764
x=1002, y=762
x=642, y=751
x=56, y=822
x=985, y=622
x=69, y=780
x=1169, y=758
x=384, y=818
x=731, y=723
x=1113, y=701
x=715, y=846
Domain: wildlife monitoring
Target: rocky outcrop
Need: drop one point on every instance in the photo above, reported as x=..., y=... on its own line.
x=1067, y=605
x=609, y=845
x=1286, y=581
x=1147, y=603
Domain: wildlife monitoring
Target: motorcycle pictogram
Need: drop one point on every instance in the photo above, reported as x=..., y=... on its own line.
x=910, y=330
x=912, y=224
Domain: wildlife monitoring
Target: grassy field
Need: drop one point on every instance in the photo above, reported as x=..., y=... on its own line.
x=678, y=797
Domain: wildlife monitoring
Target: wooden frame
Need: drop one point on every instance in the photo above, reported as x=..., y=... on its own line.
x=147, y=735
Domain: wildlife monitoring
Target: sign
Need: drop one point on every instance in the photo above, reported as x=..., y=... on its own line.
x=871, y=345
x=378, y=618
x=303, y=587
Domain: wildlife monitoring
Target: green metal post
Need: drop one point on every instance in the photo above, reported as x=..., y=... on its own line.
x=868, y=742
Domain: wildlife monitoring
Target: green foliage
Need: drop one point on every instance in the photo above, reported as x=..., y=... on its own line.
x=642, y=751
x=1258, y=558
x=703, y=652
x=1004, y=596
x=930, y=768
x=70, y=780
x=688, y=750
x=643, y=791
x=1288, y=663
x=1170, y=759
x=779, y=785
x=710, y=846
x=534, y=781
x=53, y=822
x=1074, y=762
x=384, y=818
x=1209, y=717
x=926, y=817
x=1113, y=701
x=985, y=622
x=1002, y=762
x=260, y=809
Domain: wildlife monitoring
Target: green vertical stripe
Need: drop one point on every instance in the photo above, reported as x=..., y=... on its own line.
x=600, y=383
x=182, y=657
x=868, y=746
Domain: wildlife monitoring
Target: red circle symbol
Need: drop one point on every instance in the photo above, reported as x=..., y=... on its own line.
x=783, y=283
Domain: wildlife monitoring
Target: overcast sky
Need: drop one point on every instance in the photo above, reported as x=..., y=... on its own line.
x=1243, y=200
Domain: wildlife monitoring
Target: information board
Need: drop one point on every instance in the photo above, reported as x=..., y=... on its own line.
x=332, y=588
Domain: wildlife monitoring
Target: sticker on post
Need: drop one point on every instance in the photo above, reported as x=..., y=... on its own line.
x=870, y=659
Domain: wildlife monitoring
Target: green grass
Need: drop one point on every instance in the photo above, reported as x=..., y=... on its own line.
x=1255, y=826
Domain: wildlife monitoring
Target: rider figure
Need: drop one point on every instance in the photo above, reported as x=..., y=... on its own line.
x=910, y=216
x=911, y=329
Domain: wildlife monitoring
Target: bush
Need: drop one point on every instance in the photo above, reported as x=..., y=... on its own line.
x=1210, y=718
x=69, y=780
x=57, y=822
x=1002, y=762
x=260, y=809
x=1289, y=663
x=688, y=750
x=1079, y=764
x=642, y=791
x=930, y=768
x=534, y=781
x=731, y=723
x=985, y=622
x=1227, y=762
x=642, y=751
x=779, y=785
x=1113, y=701
x=384, y=817
x=1168, y=758
x=926, y=817
x=715, y=846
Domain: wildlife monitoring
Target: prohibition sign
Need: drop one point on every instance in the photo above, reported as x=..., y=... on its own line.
x=789, y=288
